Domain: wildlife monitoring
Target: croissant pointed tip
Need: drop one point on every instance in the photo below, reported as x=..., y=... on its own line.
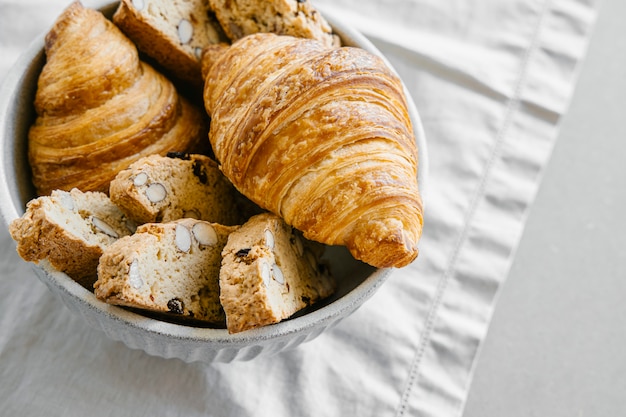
x=384, y=249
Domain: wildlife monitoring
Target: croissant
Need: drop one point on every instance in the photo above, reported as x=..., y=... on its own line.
x=99, y=107
x=322, y=138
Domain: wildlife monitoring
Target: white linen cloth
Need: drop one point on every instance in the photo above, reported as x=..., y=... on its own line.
x=491, y=80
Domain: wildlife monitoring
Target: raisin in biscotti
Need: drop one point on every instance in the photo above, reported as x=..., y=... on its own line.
x=269, y=272
x=70, y=229
x=166, y=267
x=284, y=17
x=160, y=189
x=173, y=33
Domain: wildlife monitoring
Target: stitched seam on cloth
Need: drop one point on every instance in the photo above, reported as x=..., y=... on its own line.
x=512, y=105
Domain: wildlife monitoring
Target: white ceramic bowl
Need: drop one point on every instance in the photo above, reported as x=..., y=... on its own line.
x=357, y=281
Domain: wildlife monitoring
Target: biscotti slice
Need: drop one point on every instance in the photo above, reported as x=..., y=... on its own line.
x=269, y=272
x=168, y=268
x=70, y=229
x=297, y=18
x=164, y=188
x=173, y=33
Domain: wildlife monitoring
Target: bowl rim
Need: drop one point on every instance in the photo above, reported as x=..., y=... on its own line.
x=322, y=316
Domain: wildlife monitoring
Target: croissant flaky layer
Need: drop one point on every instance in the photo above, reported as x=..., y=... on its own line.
x=100, y=108
x=321, y=137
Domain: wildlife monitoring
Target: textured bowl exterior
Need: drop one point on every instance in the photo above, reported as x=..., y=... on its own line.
x=358, y=282
x=206, y=345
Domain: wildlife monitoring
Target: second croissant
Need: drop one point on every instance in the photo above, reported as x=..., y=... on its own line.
x=100, y=108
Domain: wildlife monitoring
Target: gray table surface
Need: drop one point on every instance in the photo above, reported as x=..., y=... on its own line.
x=556, y=346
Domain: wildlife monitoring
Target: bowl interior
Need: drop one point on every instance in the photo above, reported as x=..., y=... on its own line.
x=357, y=281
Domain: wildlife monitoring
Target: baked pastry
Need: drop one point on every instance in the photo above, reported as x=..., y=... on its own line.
x=269, y=272
x=163, y=188
x=70, y=230
x=173, y=33
x=99, y=108
x=297, y=18
x=166, y=267
x=321, y=137
x=210, y=54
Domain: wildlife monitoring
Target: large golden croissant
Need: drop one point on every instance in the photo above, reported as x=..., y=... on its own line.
x=100, y=108
x=321, y=137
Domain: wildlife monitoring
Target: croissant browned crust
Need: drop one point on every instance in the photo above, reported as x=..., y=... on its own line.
x=99, y=107
x=321, y=137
